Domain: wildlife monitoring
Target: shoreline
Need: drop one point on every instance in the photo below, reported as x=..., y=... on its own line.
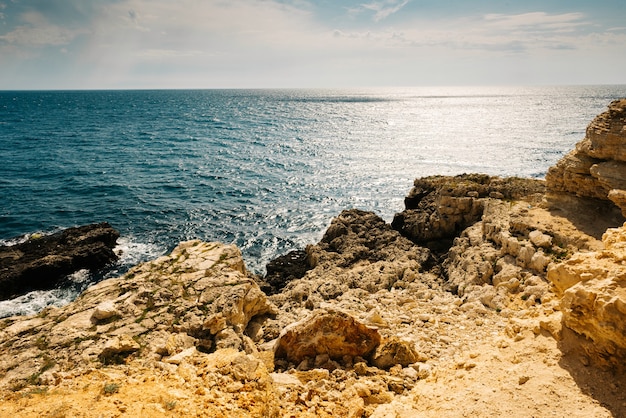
x=487, y=296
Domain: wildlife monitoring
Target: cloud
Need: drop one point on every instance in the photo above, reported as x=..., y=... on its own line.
x=36, y=31
x=517, y=33
x=265, y=43
x=170, y=53
x=536, y=22
x=384, y=9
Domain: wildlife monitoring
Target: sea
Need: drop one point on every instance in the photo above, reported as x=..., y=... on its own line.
x=266, y=170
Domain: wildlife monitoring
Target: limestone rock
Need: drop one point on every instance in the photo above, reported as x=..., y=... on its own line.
x=331, y=333
x=363, y=236
x=394, y=351
x=468, y=264
x=594, y=297
x=42, y=262
x=179, y=357
x=539, y=239
x=199, y=296
x=359, y=252
x=118, y=346
x=606, y=133
x=596, y=168
x=492, y=260
x=104, y=311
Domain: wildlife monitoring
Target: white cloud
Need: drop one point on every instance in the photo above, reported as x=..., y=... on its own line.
x=265, y=43
x=536, y=21
x=490, y=33
x=170, y=53
x=36, y=31
x=385, y=8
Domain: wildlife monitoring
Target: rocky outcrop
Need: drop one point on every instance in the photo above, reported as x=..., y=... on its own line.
x=596, y=168
x=594, y=298
x=439, y=208
x=42, y=262
x=198, y=298
x=359, y=252
x=590, y=179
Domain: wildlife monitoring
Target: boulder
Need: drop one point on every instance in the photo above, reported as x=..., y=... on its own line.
x=325, y=332
x=394, y=351
x=41, y=262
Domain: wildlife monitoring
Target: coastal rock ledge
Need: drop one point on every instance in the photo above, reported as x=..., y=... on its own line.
x=485, y=297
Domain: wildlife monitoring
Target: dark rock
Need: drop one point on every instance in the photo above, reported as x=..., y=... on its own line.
x=41, y=263
x=358, y=235
x=284, y=269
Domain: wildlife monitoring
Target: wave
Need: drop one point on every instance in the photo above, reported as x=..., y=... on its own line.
x=129, y=251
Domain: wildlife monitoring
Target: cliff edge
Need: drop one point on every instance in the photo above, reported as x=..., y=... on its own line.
x=485, y=297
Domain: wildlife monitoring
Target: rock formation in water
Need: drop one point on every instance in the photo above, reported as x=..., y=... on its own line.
x=483, y=298
x=41, y=262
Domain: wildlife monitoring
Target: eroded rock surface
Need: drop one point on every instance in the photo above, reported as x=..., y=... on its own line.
x=198, y=296
x=358, y=254
x=594, y=298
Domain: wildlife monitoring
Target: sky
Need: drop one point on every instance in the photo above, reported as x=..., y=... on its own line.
x=137, y=44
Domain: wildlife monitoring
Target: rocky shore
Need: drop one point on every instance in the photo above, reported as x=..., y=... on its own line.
x=485, y=297
x=41, y=262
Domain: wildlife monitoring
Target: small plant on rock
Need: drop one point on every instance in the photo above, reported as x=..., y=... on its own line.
x=111, y=388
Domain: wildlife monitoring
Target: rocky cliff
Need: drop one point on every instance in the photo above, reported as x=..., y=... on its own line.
x=596, y=168
x=482, y=298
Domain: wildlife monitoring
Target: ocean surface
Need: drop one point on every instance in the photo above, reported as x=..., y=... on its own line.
x=266, y=170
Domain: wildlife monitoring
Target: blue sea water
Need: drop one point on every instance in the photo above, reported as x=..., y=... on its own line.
x=263, y=169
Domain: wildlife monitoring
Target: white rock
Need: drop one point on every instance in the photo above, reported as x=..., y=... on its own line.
x=539, y=262
x=539, y=239
x=285, y=379
x=105, y=310
x=180, y=357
